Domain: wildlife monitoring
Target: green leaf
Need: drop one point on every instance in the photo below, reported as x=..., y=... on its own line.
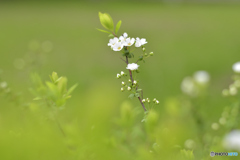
x=71, y=89
x=131, y=96
x=136, y=95
x=104, y=31
x=118, y=26
x=54, y=76
x=111, y=35
x=106, y=21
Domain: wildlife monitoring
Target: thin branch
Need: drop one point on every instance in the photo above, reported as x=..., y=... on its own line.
x=123, y=60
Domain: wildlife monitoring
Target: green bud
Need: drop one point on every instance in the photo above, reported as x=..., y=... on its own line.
x=143, y=49
x=122, y=89
x=145, y=54
x=123, y=83
x=151, y=53
x=129, y=80
x=106, y=21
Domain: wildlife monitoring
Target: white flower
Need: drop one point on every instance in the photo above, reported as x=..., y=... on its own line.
x=143, y=100
x=123, y=37
x=134, y=82
x=129, y=88
x=140, y=42
x=129, y=42
x=118, y=46
x=122, y=73
x=113, y=41
x=201, y=77
x=188, y=86
x=123, y=83
x=232, y=140
x=157, y=102
x=118, y=75
x=236, y=67
x=132, y=66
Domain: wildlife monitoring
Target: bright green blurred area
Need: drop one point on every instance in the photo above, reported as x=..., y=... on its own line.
x=184, y=39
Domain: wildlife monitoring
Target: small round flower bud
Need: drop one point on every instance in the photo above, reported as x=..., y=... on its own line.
x=145, y=54
x=123, y=83
x=143, y=100
x=157, y=102
x=129, y=80
x=143, y=49
x=134, y=86
x=118, y=76
x=122, y=73
x=154, y=99
x=148, y=101
x=134, y=82
x=151, y=53
x=122, y=89
x=129, y=88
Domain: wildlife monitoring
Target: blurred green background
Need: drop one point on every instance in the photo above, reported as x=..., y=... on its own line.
x=184, y=38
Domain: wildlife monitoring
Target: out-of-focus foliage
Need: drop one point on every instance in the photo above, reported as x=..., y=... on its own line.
x=97, y=122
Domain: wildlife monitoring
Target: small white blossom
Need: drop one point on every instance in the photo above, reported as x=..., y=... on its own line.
x=232, y=140
x=139, y=42
x=129, y=42
x=143, y=100
x=201, y=77
x=132, y=66
x=134, y=82
x=129, y=80
x=118, y=75
x=123, y=83
x=113, y=41
x=123, y=37
x=129, y=88
x=122, y=89
x=236, y=67
x=143, y=49
x=118, y=46
x=157, y=102
x=154, y=99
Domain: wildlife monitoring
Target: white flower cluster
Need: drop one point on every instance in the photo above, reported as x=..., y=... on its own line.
x=117, y=44
x=193, y=85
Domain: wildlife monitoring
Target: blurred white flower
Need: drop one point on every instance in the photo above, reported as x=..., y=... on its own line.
x=132, y=66
x=143, y=100
x=122, y=73
x=118, y=75
x=188, y=87
x=113, y=41
x=236, y=67
x=129, y=42
x=117, y=47
x=129, y=88
x=139, y=42
x=201, y=77
x=122, y=89
x=134, y=82
x=232, y=90
x=157, y=102
x=123, y=83
x=3, y=85
x=232, y=140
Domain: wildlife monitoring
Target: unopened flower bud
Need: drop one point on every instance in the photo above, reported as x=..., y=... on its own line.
x=145, y=54
x=157, y=102
x=122, y=89
x=151, y=53
x=118, y=76
x=134, y=82
x=143, y=49
x=143, y=100
x=129, y=80
x=154, y=99
x=129, y=88
x=123, y=83
x=122, y=73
